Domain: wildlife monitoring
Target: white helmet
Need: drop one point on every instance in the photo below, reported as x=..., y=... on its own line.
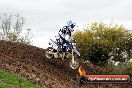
x=71, y=25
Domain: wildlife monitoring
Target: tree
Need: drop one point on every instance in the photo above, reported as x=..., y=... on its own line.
x=99, y=43
x=12, y=28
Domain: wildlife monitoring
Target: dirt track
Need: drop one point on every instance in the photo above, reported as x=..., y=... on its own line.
x=30, y=62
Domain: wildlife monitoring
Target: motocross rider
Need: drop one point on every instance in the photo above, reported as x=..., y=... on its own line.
x=66, y=33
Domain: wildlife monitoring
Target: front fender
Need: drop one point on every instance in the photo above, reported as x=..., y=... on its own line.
x=75, y=50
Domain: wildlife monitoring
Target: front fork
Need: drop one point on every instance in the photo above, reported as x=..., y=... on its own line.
x=73, y=60
x=72, y=57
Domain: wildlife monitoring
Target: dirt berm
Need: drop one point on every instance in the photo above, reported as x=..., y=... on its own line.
x=30, y=62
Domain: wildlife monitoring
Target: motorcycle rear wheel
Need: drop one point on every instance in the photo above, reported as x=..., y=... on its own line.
x=49, y=53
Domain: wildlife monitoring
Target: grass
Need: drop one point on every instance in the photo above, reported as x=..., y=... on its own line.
x=8, y=80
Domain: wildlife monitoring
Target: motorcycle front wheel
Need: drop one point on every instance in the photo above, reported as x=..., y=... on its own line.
x=74, y=65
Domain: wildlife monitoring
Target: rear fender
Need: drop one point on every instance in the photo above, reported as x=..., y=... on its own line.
x=54, y=42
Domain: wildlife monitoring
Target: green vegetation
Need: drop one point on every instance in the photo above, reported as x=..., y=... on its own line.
x=100, y=44
x=120, y=68
x=8, y=80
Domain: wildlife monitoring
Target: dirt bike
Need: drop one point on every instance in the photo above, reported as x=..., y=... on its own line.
x=65, y=49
